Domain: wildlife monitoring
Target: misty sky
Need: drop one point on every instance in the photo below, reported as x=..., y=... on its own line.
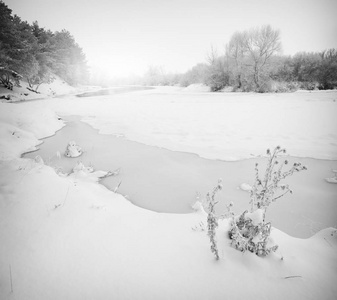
x=127, y=36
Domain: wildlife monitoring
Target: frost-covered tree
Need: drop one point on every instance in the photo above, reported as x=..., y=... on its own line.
x=237, y=52
x=217, y=76
x=36, y=53
x=327, y=77
x=260, y=44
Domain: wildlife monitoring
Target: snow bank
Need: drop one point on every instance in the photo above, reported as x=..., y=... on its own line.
x=21, y=128
x=197, y=88
x=57, y=87
x=256, y=216
x=63, y=238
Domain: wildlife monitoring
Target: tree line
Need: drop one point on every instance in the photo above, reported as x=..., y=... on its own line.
x=35, y=54
x=251, y=61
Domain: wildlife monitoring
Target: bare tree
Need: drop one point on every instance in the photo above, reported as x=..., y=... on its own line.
x=212, y=56
x=236, y=50
x=261, y=43
x=217, y=75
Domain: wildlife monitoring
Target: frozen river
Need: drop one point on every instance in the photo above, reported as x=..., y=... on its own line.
x=210, y=135
x=227, y=126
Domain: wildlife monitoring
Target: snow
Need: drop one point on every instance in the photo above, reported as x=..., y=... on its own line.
x=20, y=131
x=332, y=179
x=228, y=126
x=73, y=150
x=256, y=216
x=22, y=93
x=71, y=238
x=197, y=88
x=150, y=173
x=88, y=173
x=81, y=241
x=245, y=187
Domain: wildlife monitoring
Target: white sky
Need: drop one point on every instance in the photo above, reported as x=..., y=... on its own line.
x=127, y=36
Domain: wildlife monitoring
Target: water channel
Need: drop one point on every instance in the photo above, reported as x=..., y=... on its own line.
x=169, y=181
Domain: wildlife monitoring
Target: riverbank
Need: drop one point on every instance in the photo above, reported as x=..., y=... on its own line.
x=67, y=237
x=170, y=181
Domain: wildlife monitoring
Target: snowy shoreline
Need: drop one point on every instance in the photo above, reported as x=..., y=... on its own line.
x=174, y=191
x=72, y=238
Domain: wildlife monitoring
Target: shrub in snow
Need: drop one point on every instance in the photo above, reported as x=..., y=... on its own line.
x=271, y=86
x=73, y=150
x=212, y=221
x=269, y=189
x=249, y=231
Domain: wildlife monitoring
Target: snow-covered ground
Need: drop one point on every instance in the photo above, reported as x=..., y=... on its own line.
x=229, y=126
x=71, y=238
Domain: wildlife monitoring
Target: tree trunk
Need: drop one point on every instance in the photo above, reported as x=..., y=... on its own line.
x=256, y=77
x=239, y=81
